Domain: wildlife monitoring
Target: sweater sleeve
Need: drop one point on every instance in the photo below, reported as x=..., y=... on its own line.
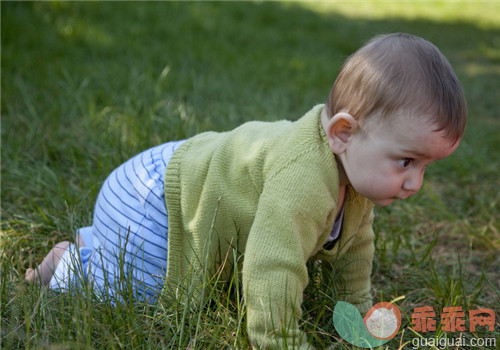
x=289, y=218
x=355, y=266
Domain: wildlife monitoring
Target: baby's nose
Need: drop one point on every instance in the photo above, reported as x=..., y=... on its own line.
x=413, y=183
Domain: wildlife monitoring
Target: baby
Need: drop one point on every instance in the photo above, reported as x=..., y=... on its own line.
x=278, y=194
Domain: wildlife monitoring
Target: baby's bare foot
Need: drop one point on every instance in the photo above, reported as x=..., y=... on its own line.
x=31, y=275
x=43, y=273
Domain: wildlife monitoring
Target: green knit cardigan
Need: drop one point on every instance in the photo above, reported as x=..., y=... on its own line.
x=266, y=192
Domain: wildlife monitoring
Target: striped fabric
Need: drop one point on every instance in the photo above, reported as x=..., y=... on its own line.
x=126, y=246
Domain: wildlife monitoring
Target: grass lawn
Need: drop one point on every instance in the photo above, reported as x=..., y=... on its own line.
x=85, y=86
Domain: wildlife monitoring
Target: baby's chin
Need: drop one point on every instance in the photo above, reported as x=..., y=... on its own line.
x=382, y=202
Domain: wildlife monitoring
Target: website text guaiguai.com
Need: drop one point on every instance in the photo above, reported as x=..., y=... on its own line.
x=444, y=343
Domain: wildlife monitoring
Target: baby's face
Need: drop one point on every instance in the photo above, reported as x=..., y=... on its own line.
x=388, y=159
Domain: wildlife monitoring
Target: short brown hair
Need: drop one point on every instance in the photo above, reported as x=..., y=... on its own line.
x=400, y=72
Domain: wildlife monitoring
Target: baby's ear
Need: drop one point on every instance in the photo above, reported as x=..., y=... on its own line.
x=338, y=131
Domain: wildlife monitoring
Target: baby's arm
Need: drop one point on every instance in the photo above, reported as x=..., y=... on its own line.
x=354, y=267
x=284, y=234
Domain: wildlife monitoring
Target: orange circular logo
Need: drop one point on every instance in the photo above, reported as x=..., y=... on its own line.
x=383, y=320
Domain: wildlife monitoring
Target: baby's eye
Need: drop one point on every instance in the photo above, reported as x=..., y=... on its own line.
x=405, y=162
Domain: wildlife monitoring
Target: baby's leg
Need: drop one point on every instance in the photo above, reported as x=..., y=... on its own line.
x=46, y=269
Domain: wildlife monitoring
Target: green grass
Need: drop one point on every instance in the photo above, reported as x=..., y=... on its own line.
x=85, y=86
